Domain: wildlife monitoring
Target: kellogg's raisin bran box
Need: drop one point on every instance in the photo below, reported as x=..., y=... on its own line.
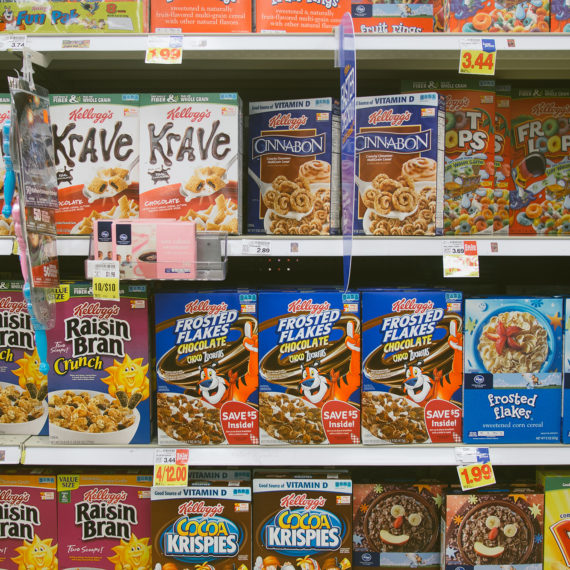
x=191, y=150
x=104, y=521
x=99, y=385
x=309, y=367
x=28, y=522
x=207, y=367
x=6, y=224
x=202, y=527
x=96, y=147
x=293, y=183
x=304, y=16
x=503, y=154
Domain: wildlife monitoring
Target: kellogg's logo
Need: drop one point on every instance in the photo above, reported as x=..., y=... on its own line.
x=198, y=306
x=200, y=507
x=452, y=104
x=95, y=310
x=90, y=115
x=4, y=117
x=104, y=495
x=6, y=304
x=187, y=113
x=411, y=305
x=301, y=500
x=8, y=496
x=307, y=305
x=388, y=116
x=286, y=120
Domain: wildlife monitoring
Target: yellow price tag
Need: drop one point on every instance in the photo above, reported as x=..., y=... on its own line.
x=476, y=475
x=15, y=249
x=477, y=62
x=170, y=475
x=166, y=55
x=105, y=288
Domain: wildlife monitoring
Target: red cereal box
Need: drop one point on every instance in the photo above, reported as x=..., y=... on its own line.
x=503, y=181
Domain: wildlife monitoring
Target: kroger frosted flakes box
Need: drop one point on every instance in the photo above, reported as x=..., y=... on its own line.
x=191, y=159
x=412, y=366
x=540, y=201
x=6, y=224
x=207, y=372
x=503, y=152
x=96, y=147
x=303, y=16
x=98, y=381
x=104, y=521
x=396, y=525
x=513, y=370
x=386, y=18
x=399, y=164
x=293, y=183
x=309, y=367
x=28, y=522
x=201, y=527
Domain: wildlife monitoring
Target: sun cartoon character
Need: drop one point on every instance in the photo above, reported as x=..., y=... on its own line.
x=133, y=554
x=307, y=563
x=203, y=566
x=29, y=376
x=128, y=381
x=36, y=555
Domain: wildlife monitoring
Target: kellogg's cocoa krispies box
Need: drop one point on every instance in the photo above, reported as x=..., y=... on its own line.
x=207, y=367
x=305, y=16
x=104, y=521
x=28, y=522
x=293, y=183
x=6, y=224
x=96, y=147
x=191, y=150
x=309, y=367
x=99, y=381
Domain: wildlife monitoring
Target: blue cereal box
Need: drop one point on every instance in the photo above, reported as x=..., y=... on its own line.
x=566, y=391
x=412, y=366
x=399, y=164
x=206, y=365
x=513, y=370
x=293, y=183
x=309, y=367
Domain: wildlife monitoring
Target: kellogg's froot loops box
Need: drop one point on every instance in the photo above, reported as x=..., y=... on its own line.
x=306, y=16
x=559, y=16
x=503, y=154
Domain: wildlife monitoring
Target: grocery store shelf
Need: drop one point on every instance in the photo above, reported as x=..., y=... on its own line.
x=11, y=448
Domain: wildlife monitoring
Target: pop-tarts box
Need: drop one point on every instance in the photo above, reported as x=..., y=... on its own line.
x=513, y=370
x=293, y=183
x=309, y=367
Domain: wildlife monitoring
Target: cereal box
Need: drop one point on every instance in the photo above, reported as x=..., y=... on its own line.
x=28, y=522
x=207, y=366
x=412, y=366
x=387, y=18
x=23, y=388
x=6, y=224
x=293, y=184
x=99, y=386
x=396, y=525
x=513, y=370
x=201, y=527
x=469, y=153
x=399, y=164
x=492, y=529
x=305, y=16
x=191, y=159
x=309, y=367
x=559, y=16
x=96, y=147
x=104, y=521
x=540, y=201
x=566, y=381
x=302, y=523
x=503, y=152
x=204, y=17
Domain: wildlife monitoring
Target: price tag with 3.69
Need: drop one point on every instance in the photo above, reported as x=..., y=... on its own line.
x=476, y=475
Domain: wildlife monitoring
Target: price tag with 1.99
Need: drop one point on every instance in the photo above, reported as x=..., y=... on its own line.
x=476, y=475
x=164, y=49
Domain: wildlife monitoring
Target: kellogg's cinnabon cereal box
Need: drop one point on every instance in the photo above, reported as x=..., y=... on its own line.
x=6, y=224
x=99, y=379
x=28, y=522
x=191, y=159
x=306, y=16
x=293, y=170
x=207, y=367
x=96, y=148
x=104, y=521
x=399, y=164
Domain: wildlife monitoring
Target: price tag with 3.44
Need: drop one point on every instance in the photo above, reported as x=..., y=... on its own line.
x=478, y=56
x=171, y=467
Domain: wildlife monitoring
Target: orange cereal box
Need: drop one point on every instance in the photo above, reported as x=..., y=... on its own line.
x=503, y=180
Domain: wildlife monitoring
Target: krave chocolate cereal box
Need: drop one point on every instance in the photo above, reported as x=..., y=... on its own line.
x=207, y=367
x=6, y=224
x=513, y=370
x=191, y=151
x=309, y=367
x=96, y=147
x=412, y=366
x=28, y=522
x=399, y=164
x=293, y=183
x=99, y=384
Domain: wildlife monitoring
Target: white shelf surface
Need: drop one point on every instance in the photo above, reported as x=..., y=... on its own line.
x=11, y=449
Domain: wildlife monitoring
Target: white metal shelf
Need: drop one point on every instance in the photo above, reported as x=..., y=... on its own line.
x=11, y=447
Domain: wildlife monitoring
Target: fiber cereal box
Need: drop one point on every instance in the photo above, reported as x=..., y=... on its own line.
x=104, y=521
x=387, y=18
x=207, y=368
x=513, y=370
x=28, y=522
x=399, y=164
x=503, y=154
x=6, y=224
x=309, y=367
x=96, y=147
x=191, y=159
x=303, y=16
x=99, y=385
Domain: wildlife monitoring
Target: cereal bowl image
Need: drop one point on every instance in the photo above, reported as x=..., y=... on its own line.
x=19, y=413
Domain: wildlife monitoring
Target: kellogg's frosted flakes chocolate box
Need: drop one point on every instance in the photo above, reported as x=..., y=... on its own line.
x=309, y=367
x=104, y=521
x=207, y=368
x=304, y=16
x=96, y=147
x=503, y=155
x=6, y=224
x=412, y=366
x=387, y=18
x=99, y=385
x=191, y=151
x=28, y=522
x=513, y=370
